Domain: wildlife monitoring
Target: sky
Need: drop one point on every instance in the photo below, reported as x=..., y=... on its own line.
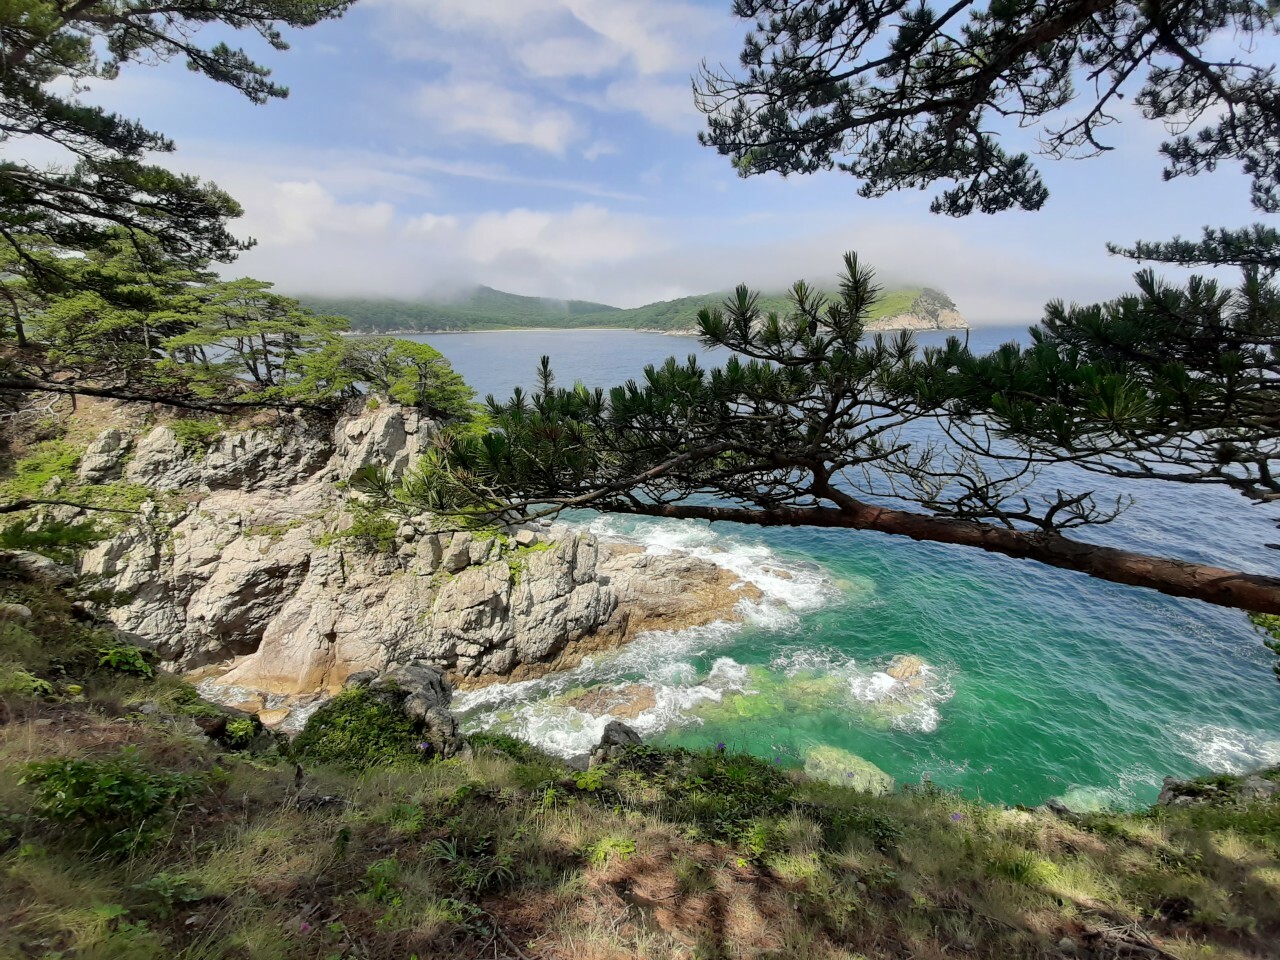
x=549, y=148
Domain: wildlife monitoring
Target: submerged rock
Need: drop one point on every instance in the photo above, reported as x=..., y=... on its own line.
x=905, y=667
x=833, y=765
x=628, y=702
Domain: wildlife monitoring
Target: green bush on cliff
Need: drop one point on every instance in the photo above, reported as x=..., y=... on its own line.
x=359, y=729
x=196, y=434
x=114, y=805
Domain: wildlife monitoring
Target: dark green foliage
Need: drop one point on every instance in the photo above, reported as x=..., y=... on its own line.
x=1170, y=382
x=413, y=374
x=114, y=805
x=483, y=308
x=838, y=827
x=50, y=51
x=137, y=324
x=809, y=422
x=166, y=893
x=518, y=750
x=369, y=529
x=903, y=95
x=730, y=796
x=195, y=434
x=1269, y=626
x=59, y=541
x=360, y=728
x=123, y=658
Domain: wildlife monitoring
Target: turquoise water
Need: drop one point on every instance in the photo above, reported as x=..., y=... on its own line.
x=1036, y=682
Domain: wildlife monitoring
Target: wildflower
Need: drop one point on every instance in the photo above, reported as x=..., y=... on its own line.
x=304, y=927
x=957, y=817
x=720, y=747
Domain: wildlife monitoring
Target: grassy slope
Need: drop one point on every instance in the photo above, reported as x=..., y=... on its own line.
x=493, y=310
x=511, y=854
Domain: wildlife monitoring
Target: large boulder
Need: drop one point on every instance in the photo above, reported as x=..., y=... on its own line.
x=614, y=742
x=255, y=579
x=1261, y=785
x=103, y=459
x=37, y=568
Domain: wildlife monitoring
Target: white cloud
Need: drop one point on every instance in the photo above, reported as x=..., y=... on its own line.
x=586, y=236
x=569, y=57
x=313, y=241
x=598, y=149
x=662, y=103
x=653, y=36
x=301, y=211
x=616, y=56
x=657, y=36
x=498, y=114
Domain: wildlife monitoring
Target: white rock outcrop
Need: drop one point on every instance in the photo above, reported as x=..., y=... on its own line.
x=251, y=580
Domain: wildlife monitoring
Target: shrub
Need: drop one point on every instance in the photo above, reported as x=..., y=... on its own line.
x=22, y=684
x=610, y=848
x=123, y=658
x=115, y=804
x=196, y=435
x=360, y=728
x=53, y=458
x=369, y=529
x=58, y=541
x=508, y=746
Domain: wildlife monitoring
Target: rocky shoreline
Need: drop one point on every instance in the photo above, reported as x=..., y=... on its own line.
x=253, y=576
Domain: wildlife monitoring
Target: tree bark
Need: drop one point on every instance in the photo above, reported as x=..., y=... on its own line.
x=1177, y=578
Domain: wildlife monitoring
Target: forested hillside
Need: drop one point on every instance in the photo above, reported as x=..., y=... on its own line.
x=482, y=309
x=489, y=309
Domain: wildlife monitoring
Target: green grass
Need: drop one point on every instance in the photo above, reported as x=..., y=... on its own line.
x=46, y=461
x=139, y=836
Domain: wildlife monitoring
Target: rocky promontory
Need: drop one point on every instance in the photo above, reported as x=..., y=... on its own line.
x=259, y=574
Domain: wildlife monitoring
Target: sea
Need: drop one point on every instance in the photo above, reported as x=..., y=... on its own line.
x=1031, y=683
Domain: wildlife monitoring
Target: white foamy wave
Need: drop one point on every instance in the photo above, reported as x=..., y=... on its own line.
x=786, y=586
x=530, y=710
x=662, y=661
x=910, y=704
x=1228, y=750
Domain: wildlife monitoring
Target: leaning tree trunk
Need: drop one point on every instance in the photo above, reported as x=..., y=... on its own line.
x=1178, y=578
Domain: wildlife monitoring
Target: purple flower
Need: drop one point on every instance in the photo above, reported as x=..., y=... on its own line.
x=957, y=817
x=304, y=927
x=720, y=747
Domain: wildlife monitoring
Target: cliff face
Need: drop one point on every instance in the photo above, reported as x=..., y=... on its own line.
x=251, y=576
x=931, y=310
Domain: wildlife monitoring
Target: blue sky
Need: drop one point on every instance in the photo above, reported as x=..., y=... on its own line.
x=548, y=147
